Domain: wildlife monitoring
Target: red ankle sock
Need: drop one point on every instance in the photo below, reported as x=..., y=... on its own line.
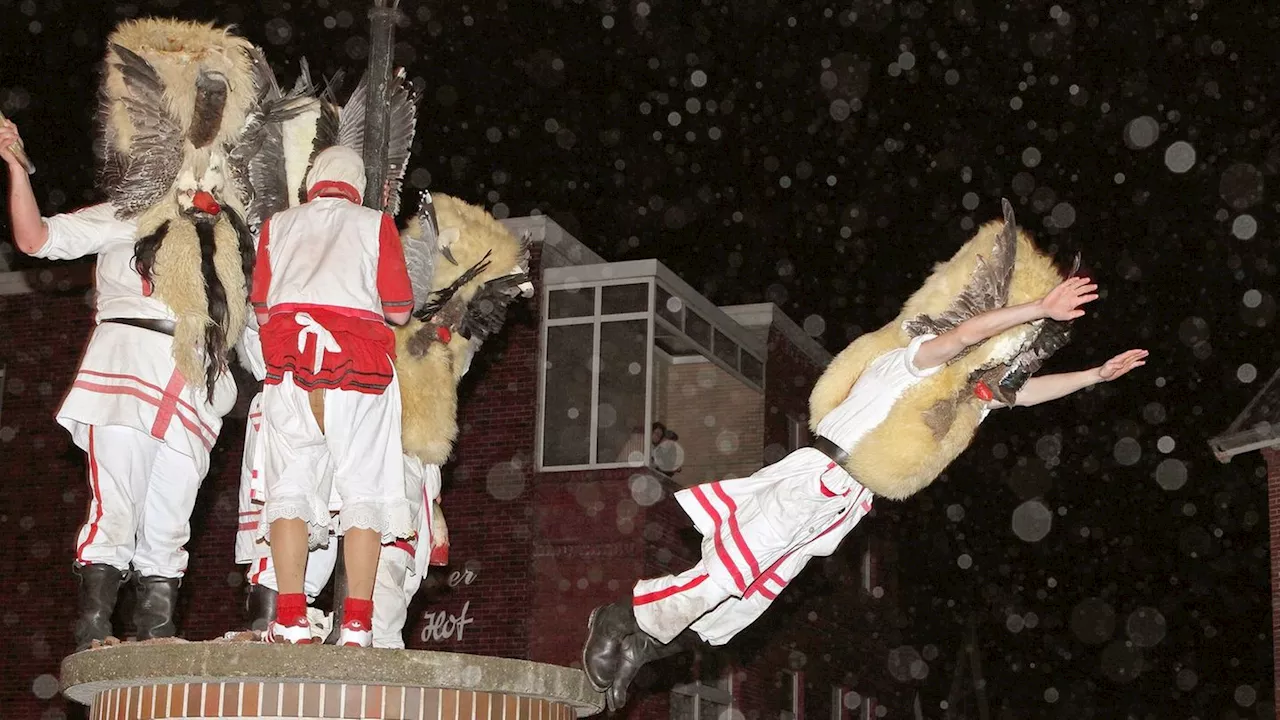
x=357, y=613
x=291, y=609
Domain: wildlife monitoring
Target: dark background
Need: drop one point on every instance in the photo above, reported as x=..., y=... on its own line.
x=822, y=156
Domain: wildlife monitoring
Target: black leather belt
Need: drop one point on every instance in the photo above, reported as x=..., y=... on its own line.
x=831, y=450
x=164, y=327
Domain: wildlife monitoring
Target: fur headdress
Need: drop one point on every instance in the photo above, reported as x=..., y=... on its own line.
x=937, y=418
x=467, y=268
x=173, y=102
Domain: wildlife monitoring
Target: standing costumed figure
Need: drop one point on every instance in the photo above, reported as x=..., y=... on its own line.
x=889, y=414
x=284, y=136
x=147, y=403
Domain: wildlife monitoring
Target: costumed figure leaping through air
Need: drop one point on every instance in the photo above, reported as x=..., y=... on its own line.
x=172, y=253
x=889, y=414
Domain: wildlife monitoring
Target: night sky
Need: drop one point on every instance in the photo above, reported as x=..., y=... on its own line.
x=822, y=156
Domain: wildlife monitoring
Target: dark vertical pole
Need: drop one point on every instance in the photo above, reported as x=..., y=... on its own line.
x=382, y=31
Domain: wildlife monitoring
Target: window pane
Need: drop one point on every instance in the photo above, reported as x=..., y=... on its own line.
x=621, y=432
x=669, y=306
x=752, y=368
x=616, y=299
x=726, y=349
x=577, y=302
x=697, y=329
x=566, y=418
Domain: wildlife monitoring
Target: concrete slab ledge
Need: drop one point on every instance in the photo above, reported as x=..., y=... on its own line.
x=160, y=671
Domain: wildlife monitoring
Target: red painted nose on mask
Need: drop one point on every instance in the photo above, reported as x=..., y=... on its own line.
x=983, y=391
x=205, y=203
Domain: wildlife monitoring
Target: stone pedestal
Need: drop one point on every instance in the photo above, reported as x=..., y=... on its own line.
x=256, y=680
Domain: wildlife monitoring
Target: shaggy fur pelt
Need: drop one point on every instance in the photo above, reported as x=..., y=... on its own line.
x=428, y=384
x=174, y=96
x=937, y=418
x=198, y=271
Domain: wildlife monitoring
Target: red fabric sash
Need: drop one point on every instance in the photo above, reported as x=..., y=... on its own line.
x=363, y=364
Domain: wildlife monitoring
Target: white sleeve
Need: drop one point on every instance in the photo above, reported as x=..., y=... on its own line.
x=84, y=232
x=909, y=357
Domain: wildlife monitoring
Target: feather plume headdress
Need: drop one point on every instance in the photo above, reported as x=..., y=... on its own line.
x=937, y=418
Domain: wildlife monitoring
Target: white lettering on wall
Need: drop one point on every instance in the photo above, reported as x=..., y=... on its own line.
x=441, y=626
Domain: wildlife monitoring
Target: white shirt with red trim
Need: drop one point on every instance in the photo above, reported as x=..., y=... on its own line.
x=330, y=252
x=127, y=375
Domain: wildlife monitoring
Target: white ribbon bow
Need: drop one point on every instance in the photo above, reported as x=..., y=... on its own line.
x=325, y=341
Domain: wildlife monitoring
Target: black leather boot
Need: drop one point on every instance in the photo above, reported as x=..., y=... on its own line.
x=99, y=585
x=339, y=596
x=639, y=650
x=607, y=627
x=260, y=606
x=153, y=609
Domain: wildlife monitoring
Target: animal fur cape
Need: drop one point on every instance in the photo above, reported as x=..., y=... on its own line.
x=936, y=419
x=429, y=384
x=173, y=101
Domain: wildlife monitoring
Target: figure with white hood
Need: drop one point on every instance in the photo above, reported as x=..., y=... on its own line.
x=329, y=275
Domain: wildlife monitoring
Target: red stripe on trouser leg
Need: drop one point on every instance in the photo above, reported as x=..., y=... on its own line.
x=291, y=609
x=735, y=531
x=668, y=592
x=721, y=551
x=95, y=505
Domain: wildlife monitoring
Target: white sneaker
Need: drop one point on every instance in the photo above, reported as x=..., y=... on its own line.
x=289, y=634
x=355, y=634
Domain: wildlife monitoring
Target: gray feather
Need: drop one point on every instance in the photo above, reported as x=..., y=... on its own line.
x=402, y=121
x=155, y=151
x=987, y=289
x=260, y=154
x=420, y=251
x=352, y=118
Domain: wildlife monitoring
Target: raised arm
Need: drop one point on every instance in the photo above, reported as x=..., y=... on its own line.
x=29, y=231
x=1062, y=303
x=1051, y=387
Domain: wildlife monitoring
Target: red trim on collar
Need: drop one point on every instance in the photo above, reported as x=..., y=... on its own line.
x=333, y=188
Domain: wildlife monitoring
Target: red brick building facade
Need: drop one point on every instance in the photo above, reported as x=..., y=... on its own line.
x=545, y=522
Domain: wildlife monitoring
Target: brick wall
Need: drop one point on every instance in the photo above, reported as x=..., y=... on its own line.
x=1272, y=456
x=718, y=418
x=47, y=500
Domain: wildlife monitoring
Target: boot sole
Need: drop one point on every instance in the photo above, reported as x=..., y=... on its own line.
x=591, y=624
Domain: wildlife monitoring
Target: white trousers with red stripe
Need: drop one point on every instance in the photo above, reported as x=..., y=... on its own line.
x=142, y=492
x=758, y=534
x=393, y=590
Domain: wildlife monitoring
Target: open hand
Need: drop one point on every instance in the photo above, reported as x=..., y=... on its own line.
x=1064, y=301
x=1121, y=364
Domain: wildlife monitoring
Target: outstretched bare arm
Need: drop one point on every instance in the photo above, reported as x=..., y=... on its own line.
x=29, y=231
x=1062, y=303
x=1051, y=387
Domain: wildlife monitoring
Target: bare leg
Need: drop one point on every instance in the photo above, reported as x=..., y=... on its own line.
x=289, y=539
x=360, y=555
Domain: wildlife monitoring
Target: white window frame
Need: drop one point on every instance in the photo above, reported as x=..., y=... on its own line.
x=796, y=678
x=635, y=272
x=710, y=693
x=838, y=710
x=595, y=320
x=797, y=425
x=868, y=569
